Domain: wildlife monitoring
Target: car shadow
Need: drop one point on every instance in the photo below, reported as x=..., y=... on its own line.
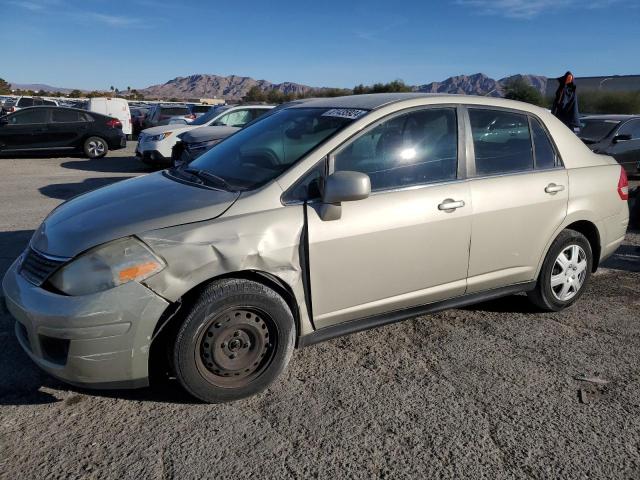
x=109, y=165
x=626, y=258
x=23, y=383
x=65, y=191
x=511, y=304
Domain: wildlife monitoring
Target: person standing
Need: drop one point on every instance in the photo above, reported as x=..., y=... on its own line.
x=565, y=104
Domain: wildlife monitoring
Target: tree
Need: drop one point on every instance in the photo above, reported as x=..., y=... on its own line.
x=75, y=93
x=519, y=89
x=5, y=87
x=394, y=86
x=255, y=94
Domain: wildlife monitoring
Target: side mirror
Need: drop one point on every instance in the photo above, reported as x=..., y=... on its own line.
x=342, y=187
x=625, y=137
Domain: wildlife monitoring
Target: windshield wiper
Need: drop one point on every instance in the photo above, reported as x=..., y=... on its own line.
x=203, y=174
x=179, y=172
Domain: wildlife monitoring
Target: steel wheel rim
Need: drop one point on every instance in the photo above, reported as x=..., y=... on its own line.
x=569, y=273
x=96, y=148
x=235, y=347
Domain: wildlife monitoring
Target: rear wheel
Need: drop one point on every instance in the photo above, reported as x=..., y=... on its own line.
x=236, y=339
x=565, y=272
x=95, y=147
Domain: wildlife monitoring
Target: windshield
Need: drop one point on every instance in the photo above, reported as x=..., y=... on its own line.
x=210, y=115
x=262, y=151
x=597, y=129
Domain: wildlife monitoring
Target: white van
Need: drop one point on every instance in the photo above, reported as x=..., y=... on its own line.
x=113, y=107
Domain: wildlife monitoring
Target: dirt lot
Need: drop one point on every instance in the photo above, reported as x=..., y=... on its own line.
x=483, y=392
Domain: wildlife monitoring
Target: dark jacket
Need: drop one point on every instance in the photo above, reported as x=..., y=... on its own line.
x=565, y=105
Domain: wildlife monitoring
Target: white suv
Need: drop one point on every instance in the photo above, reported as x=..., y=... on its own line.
x=155, y=144
x=13, y=105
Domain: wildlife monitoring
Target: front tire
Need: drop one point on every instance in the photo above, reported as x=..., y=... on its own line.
x=565, y=272
x=95, y=147
x=234, y=342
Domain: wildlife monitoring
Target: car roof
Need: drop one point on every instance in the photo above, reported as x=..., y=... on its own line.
x=620, y=118
x=373, y=101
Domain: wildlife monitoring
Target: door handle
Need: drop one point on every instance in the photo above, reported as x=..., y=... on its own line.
x=553, y=188
x=449, y=204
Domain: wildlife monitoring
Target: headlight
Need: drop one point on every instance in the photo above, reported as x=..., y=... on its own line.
x=107, y=266
x=157, y=138
x=203, y=145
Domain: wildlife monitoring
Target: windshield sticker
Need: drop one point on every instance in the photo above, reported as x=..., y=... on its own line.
x=351, y=113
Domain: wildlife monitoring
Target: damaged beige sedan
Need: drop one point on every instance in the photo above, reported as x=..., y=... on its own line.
x=328, y=217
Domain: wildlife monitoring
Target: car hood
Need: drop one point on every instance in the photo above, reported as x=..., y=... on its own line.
x=126, y=208
x=204, y=134
x=176, y=128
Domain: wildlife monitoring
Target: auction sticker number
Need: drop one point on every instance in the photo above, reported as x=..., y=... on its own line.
x=351, y=113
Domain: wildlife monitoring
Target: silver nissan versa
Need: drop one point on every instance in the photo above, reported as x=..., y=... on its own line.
x=326, y=218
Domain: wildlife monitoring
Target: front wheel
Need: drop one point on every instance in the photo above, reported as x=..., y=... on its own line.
x=95, y=147
x=565, y=272
x=235, y=341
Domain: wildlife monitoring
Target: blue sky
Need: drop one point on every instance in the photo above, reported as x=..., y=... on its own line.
x=98, y=43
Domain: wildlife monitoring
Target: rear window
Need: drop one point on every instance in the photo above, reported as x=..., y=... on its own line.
x=174, y=111
x=200, y=108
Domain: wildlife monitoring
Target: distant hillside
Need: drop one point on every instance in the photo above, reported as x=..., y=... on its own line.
x=36, y=87
x=232, y=87
x=479, y=84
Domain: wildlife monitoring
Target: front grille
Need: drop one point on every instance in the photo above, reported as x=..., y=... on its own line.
x=36, y=267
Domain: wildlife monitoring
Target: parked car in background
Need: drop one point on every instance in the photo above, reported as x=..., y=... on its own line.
x=155, y=144
x=18, y=103
x=113, y=107
x=195, y=111
x=614, y=135
x=161, y=114
x=327, y=218
x=193, y=143
x=138, y=116
x=59, y=130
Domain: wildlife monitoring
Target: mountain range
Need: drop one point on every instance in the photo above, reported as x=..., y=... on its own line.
x=235, y=87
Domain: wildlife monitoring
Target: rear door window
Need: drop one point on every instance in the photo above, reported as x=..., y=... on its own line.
x=237, y=118
x=66, y=116
x=545, y=153
x=502, y=141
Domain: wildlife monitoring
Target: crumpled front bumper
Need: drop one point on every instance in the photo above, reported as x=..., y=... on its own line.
x=99, y=341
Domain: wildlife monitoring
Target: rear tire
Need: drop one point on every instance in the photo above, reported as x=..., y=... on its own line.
x=95, y=147
x=565, y=272
x=234, y=342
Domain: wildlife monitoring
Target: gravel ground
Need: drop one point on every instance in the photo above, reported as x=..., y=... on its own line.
x=483, y=392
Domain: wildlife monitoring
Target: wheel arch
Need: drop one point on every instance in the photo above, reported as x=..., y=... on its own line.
x=170, y=321
x=585, y=226
x=591, y=232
